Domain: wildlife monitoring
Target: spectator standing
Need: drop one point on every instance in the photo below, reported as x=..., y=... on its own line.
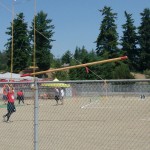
x=20, y=96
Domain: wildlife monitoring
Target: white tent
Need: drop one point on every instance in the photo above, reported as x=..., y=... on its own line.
x=14, y=76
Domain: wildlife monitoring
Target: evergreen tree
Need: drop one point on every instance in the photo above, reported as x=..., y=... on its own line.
x=77, y=53
x=66, y=58
x=21, y=45
x=147, y=73
x=43, y=35
x=80, y=54
x=107, y=42
x=73, y=73
x=107, y=39
x=144, y=40
x=61, y=75
x=122, y=72
x=129, y=42
x=3, y=61
x=84, y=73
x=80, y=57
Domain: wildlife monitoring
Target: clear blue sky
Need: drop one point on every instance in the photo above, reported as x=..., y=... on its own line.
x=76, y=22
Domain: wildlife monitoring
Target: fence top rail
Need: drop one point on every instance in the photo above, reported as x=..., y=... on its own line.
x=97, y=81
x=82, y=81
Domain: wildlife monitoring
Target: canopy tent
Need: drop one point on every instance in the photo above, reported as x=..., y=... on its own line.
x=13, y=76
x=56, y=84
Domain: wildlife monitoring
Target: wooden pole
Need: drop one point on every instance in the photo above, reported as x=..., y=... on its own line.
x=77, y=66
x=12, y=42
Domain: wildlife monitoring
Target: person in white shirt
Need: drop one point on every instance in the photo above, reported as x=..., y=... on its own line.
x=62, y=93
x=59, y=95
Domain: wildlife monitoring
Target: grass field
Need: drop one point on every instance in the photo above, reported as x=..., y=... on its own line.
x=82, y=123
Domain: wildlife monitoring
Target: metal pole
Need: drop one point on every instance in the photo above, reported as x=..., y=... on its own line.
x=36, y=108
x=36, y=112
x=34, y=50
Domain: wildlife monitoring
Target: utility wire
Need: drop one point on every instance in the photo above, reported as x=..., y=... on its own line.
x=4, y=6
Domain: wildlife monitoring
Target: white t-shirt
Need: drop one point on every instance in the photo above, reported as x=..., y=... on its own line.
x=62, y=92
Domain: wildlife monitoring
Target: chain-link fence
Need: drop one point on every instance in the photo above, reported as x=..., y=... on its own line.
x=92, y=115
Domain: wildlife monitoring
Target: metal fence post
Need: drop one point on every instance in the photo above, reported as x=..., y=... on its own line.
x=36, y=110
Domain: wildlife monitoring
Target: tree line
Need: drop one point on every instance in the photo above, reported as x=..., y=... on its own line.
x=135, y=43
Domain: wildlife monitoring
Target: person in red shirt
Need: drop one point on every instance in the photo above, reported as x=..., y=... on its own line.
x=10, y=103
x=20, y=96
x=4, y=91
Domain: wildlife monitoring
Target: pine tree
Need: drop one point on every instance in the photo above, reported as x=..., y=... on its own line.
x=61, y=75
x=44, y=33
x=107, y=39
x=3, y=61
x=21, y=44
x=129, y=42
x=66, y=58
x=122, y=72
x=80, y=57
x=106, y=44
x=144, y=40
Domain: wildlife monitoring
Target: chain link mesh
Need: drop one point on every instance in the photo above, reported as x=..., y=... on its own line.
x=94, y=115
